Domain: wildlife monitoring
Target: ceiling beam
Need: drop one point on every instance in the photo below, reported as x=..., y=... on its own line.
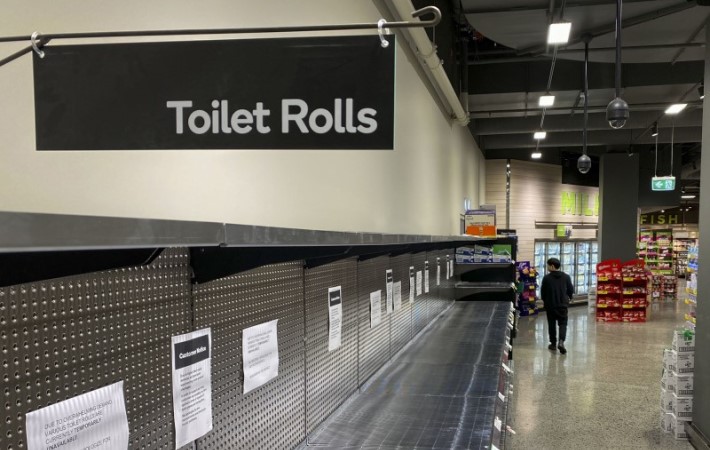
x=597, y=122
x=598, y=109
x=567, y=51
x=542, y=6
x=505, y=78
x=611, y=26
x=609, y=137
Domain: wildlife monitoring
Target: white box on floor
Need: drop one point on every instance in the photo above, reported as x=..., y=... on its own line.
x=668, y=381
x=666, y=422
x=678, y=428
x=684, y=384
x=666, y=401
x=668, y=361
x=683, y=343
x=683, y=362
x=682, y=407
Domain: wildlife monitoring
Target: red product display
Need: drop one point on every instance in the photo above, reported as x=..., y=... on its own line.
x=622, y=291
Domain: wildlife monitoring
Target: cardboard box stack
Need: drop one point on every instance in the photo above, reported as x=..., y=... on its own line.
x=677, y=384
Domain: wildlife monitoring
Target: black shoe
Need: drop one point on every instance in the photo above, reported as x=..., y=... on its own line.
x=552, y=347
x=562, y=348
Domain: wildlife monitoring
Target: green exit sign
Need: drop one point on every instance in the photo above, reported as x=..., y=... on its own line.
x=663, y=183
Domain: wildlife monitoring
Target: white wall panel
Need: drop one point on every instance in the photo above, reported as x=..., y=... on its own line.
x=417, y=188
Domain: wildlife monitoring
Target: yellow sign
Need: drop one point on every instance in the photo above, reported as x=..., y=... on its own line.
x=659, y=219
x=580, y=204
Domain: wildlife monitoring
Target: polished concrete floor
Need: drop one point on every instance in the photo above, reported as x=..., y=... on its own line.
x=604, y=394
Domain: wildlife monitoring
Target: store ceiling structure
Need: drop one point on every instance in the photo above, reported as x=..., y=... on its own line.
x=509, y=64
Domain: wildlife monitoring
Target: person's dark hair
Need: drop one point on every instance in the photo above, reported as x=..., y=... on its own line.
x=554, y=262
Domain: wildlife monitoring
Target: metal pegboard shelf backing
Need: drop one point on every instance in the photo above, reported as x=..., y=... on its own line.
x=420, y=308
x=66, y=336
x=331, y=376
x=374, y=343
x=63, y=337
x=401, y=318
x=272, y=416
x=443, y=294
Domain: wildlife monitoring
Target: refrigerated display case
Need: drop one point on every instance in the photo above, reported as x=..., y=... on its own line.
x=568, y=259
x=579, y=260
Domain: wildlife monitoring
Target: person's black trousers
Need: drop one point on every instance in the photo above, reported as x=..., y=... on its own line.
x=557, y=316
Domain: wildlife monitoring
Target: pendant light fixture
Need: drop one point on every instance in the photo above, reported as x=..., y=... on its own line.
x=584, y=163
x=617, y=112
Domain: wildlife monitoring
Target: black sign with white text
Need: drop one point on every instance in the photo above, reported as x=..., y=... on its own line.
x=295, y=93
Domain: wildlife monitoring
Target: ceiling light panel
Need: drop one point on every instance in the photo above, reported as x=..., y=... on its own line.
x=536, y=155
x=546, y=101
x=676, y=108
x=558, y=33
x=540, y=135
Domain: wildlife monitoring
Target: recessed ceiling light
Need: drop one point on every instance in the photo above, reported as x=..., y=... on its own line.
x=676, y=108
x=654, y=130
x=540, y=135
x=536, y=155
x=687, y=196
x=546, y=100
x=558, y=33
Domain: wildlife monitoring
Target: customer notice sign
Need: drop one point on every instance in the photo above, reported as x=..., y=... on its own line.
x=295, y=93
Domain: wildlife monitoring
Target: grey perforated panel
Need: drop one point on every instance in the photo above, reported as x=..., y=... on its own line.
x=420, y=309
x=374, y=348
x=273, y=415
x=60, y=338
x=331, y=376
x=437, y=304
x=402, y=318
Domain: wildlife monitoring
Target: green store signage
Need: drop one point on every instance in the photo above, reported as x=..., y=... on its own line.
x=580, y=204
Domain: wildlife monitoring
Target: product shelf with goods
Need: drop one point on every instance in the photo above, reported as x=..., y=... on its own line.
x=655, y=247
x=527, y=289
x=634, y=291
x=691, y=287
x=681, y=255
x=609, y=291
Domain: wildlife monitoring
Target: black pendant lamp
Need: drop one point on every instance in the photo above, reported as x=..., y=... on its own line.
x=617, y=112
x=584, y=163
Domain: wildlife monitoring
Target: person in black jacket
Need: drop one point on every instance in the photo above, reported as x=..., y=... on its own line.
x=556, y=292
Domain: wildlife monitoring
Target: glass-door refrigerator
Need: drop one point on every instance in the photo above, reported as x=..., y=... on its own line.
x=581, y=281
x=568, y=259
x=593, y=261
x=540, y=262
x=553, y=251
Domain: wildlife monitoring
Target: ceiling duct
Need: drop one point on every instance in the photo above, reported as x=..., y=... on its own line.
x=420, y=44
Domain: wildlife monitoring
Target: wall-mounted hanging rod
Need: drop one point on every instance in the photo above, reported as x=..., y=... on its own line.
x=44, y=39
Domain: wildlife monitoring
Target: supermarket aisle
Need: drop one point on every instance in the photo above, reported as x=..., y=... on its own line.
x=604, y=394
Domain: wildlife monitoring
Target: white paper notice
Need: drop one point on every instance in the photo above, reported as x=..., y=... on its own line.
x=398, y=295
x=375, y=308
x=448, y=267
x=411, y=284
x=426, y=277
x=95, y=420
x=192, y=385
x=390, y=300
x=335, y=317
x=438, y=272
x=260, y=353
x=419, y=283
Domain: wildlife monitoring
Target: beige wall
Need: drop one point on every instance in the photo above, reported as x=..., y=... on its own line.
x=417, y=188
x=535, y=196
